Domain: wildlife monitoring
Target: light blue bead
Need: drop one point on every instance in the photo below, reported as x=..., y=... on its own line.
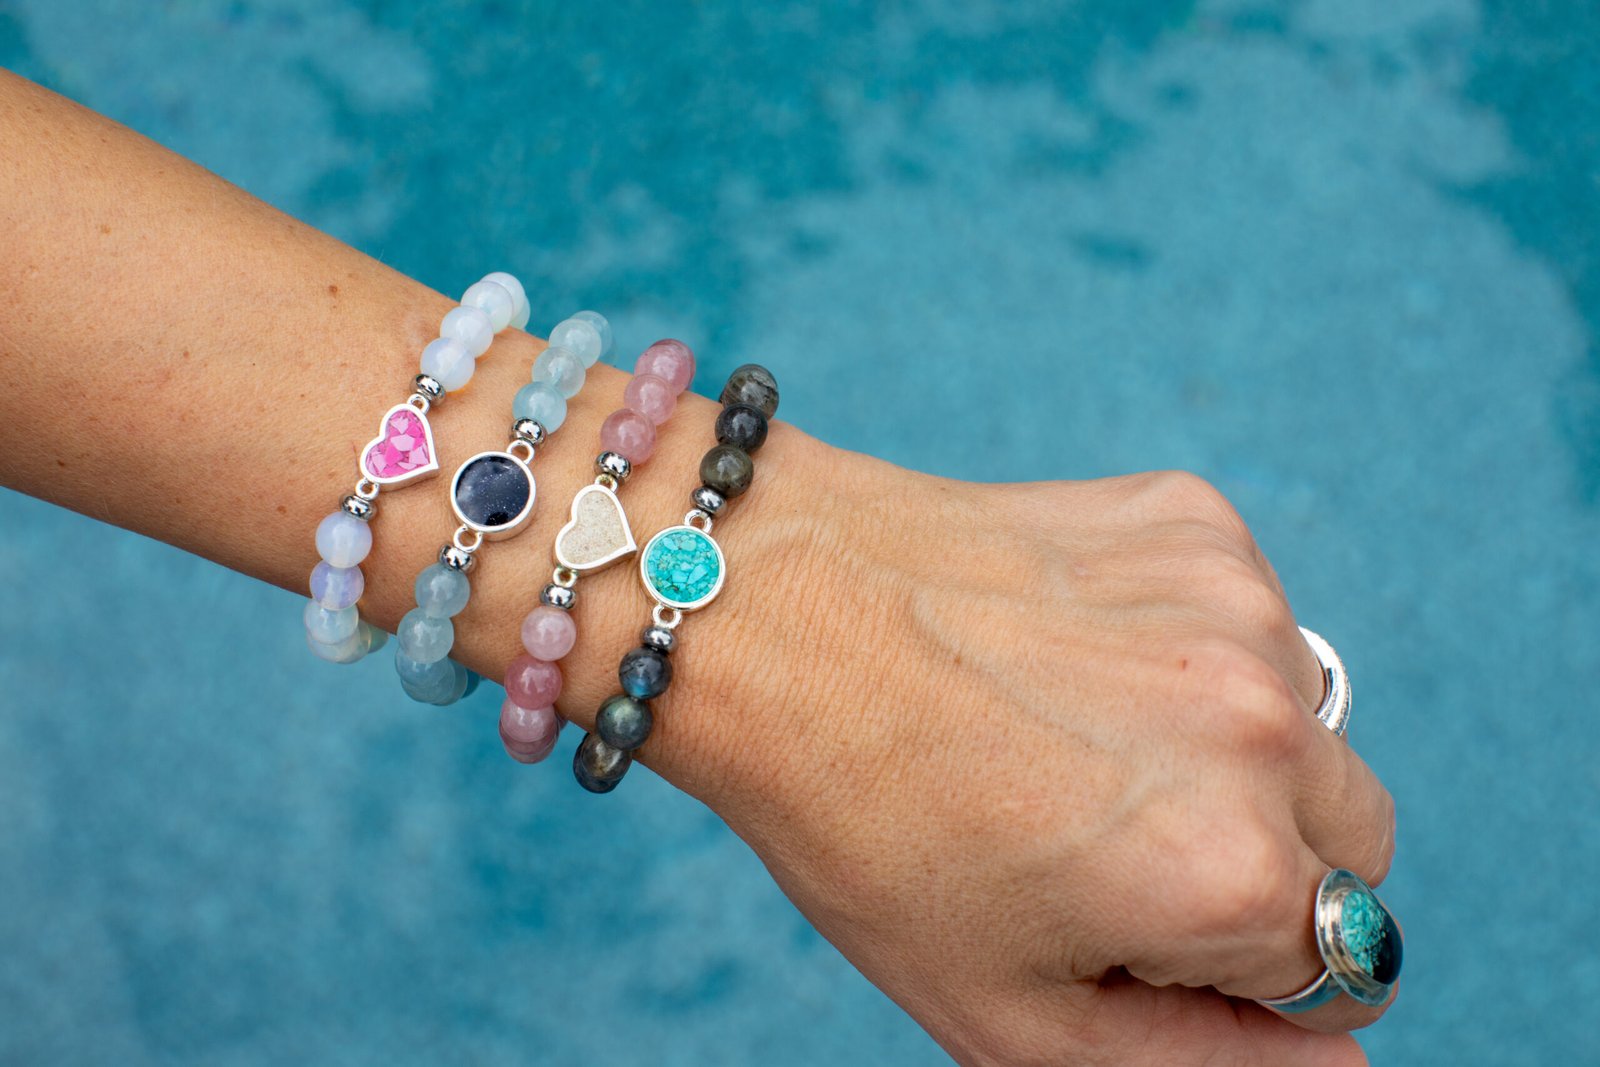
x=336, y=587
x=442, y=591
x=458, y=685
x=541, y=402
x=562, y=368
x=603, y=327
x=580, y=335
x=344, y=540
x=424, y=639
x=329, y=626
x=421, y=675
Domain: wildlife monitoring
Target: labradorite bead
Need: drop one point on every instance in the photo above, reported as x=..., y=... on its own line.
x=752, y=384
x=623, y=722
x=599, y=766
x=442, y=591
x=728, y=470
x=742, y=426
x=645, y=673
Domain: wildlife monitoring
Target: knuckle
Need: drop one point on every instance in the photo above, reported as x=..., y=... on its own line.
x=1248, y=599
x=1256, y=710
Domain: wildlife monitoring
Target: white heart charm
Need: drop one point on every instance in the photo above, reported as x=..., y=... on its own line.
x=597, y=535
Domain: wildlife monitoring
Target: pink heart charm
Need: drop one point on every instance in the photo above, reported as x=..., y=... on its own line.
x=403, y=449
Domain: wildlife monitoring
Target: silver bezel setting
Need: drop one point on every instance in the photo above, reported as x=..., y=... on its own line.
x=408, y=477
x=655, y=594
x=510, y=529
x=1335, y=890
x=617, y=554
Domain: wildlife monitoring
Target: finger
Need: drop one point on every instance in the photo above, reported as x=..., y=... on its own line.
x=1343, y=811
x=1177, y=1026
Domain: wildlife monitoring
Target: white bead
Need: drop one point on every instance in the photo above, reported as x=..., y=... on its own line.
x=448, y=362
x=494, y=300
x=471, y=327
x=519, y=314
x=330, y=626
x=343, y=540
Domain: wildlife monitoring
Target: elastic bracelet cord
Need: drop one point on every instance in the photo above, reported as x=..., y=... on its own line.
x=402, y=453
x=595, y=537
x=683, y=570
x=493, y=495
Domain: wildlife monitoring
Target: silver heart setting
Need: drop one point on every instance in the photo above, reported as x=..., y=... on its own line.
x=597, y=535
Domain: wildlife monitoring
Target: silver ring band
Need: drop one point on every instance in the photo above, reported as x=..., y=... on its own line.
x=1323, y=990
x=1334, y=711
x=1360, y=945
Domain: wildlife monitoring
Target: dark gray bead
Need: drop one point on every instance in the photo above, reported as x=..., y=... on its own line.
x=659, y=638
x=728, y=470
x=558, y=596
x=645, y=673
x=742, y=426
x=752, y=384
x=597, y=766
x=708, y=499
x=623, y=722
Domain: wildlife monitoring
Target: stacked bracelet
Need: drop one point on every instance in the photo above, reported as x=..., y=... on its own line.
x=402, y=453
x=493, y=495
x=595, y=537
x=683, y=570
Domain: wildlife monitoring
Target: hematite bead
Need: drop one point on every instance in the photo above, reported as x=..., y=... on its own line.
x=528, y=430
x=645, y=673
x=742, y=426
x=613, y=464
x=558, y=596
x=492, y=491
x=728, y=470
x=428, y=387
x=599, y=766
x=708, y=499
x=457, y=559
x=623, y=722
x=360, y=507
x=659, y=638
x=752, y=384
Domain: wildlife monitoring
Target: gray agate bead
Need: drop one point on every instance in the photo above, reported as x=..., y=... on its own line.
x=623, y=722
x=742, y=426
x=599, y=766
x=645, y=673
x=752, y=384
x=728, y=470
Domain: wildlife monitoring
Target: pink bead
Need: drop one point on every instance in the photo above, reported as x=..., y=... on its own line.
x=533, y=683
x=529, y=733
x=628, y=434
x=548, y=633
x=652, y=397
x=669, y=360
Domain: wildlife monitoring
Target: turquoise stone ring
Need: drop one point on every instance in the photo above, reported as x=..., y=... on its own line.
x=683, y=568
x=1360, y=945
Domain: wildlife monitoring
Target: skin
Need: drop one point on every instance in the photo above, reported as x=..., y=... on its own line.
x=1059, y=795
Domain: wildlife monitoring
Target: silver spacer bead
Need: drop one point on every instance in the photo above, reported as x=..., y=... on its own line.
x=558, y=596
x=457, y=559
x=428, y=386
x=611, y=463
x=659, y=638
x=707, y=499
x=528, y=430
x=360, y=507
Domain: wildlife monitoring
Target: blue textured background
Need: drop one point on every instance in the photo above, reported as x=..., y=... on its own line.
x=1339, y=256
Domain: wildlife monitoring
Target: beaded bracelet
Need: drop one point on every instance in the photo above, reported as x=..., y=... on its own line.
x=402, y=453
x=683, y=570
x=493, y=495
x=595, y=537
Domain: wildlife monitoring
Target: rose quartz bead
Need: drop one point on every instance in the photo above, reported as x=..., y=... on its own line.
x=628, y=434
x=669, y=360
x=548, y=633
x=652, y=397
x=529, y=733
x=533, y=683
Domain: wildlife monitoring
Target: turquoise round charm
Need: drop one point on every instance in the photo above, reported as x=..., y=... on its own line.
x=682, y=568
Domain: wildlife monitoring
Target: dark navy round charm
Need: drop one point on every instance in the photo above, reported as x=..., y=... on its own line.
x=493, y=493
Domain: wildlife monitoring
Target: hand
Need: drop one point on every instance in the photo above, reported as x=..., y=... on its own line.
x=1040, y=760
